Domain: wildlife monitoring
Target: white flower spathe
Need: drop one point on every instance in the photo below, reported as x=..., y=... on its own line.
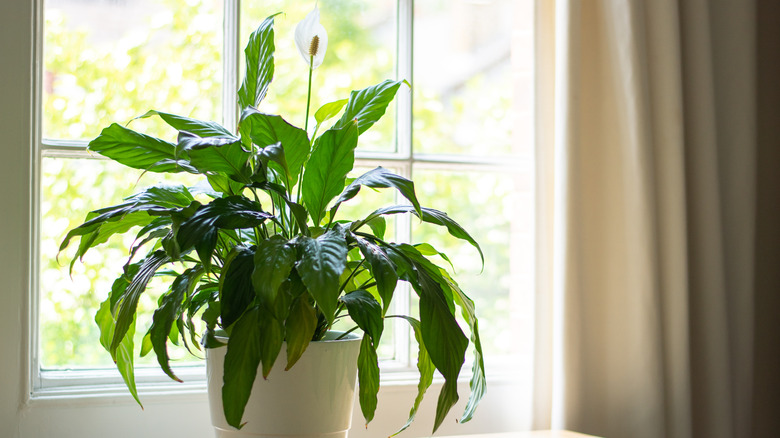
x=311, y=39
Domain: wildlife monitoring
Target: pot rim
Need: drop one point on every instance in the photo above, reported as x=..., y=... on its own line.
x=221, y=336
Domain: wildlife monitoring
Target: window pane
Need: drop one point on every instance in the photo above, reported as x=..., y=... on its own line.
x=361, y=53
x=111, y=60
x=472, y=77
x=496, y=209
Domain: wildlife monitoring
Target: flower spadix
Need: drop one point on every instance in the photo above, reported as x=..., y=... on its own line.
x=311, y=39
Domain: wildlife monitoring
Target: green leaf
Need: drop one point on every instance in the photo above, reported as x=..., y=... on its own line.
x=368, y=378
x=364, y=309
x=274, y=153
x=271, y=340
x=241, y=363
x=128, y=301
x=378, y=226
x=443, y=338
x=201, y=230
x=478, y=383
x=101, y=224
x=382, y=269
x=123, y=354
x=300, y=326
x=298, y=211
x=167, y=313
x=266, y=129
x=259, y=64
x=134, y=149
x=332, y=159
x=430, y=216
x=235, y=285
x=329, y=110
x=368, y=105
x=322, y=261
x=424, y=366
x=216, y=155
x=274, y=259
x=181, y=123
x=379, y=178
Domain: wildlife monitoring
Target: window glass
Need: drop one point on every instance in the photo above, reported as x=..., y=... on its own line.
x=108, y=61
x=467, y=97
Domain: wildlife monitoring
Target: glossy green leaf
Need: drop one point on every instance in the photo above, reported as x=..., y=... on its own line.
x=329, y=110
x=123, y=354
x=332, y=159
x=478, y=383
x=128, y=301
x=364, y=309
x=259, y=64
x=382, y=269
x=424, y=367
x=197, y=127
x=443, y=338
x=168, y=312
x=368, y=105
x=216, y=155
x=300, y=326
x=201, y=230
x=267, y=129
x=235, y=285
x=274, y=259
x=322, y=261
x=134, y=149
x=242, y=361
x=379, y=178
x=368, y=378
x=273, y=155
x=430, y=216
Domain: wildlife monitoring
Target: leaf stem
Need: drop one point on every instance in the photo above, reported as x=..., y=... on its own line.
x=341, y=336
x=352, y=275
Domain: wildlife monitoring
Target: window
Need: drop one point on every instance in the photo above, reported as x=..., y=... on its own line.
x=464, y=134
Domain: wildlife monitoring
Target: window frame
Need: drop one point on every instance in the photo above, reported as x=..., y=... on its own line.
x=35, y=405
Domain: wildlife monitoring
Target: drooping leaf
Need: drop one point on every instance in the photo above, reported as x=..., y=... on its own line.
x=443, y=338
x=300, y=326
x=235, y=285
x=101, y=224
x=430, y=216
x=368, y=105
x=379, y=178
x=274, y=259
x=266, y=129
x=197, y=127
x=478, y=383
x=167, y=313
x=332, y=159
x=123, y=354
x=273, y=155
x=134, y=149
x=382, y=269
x=368, y=378
x=128, y=301
x=329, y=110
x=259, y=64
x=216, y=155
x=298, y=211
x=271, y=340
x=322, y=261
x=241, y=363
x=364, y=309
x=425, y=368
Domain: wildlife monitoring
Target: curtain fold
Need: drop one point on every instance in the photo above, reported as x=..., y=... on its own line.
x=646, y=213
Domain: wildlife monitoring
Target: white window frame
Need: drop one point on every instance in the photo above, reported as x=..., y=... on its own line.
x=66, y=407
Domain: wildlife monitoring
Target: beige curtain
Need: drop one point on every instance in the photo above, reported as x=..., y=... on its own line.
x=646, y=225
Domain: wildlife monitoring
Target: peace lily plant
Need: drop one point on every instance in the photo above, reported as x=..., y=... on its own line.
x=261, y=253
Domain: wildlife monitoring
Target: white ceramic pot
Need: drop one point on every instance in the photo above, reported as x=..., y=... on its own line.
x=314, y=399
